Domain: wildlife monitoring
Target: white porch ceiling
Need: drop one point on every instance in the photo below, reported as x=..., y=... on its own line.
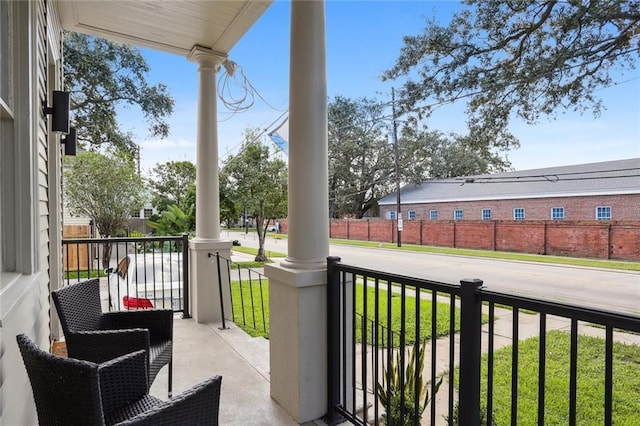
x=173, y=26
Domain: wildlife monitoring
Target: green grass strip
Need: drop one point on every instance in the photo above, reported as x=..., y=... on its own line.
x=254, y=251
x=74, y=275
x=559, y=260
x=251, y=264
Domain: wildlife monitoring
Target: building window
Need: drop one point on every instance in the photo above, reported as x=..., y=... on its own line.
x=433, y=214
x=486, y=214
x=603, y=213
x=148, y=213
x=557, y=213
x=392, y=215
x=135, y=214
x=412, y=214
x=518, y=213
x=457, y=214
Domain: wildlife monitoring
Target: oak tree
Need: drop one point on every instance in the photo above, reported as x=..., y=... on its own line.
x=522, y=58
x=103, y=76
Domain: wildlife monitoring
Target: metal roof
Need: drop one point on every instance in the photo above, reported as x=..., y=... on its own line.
x=603, y=178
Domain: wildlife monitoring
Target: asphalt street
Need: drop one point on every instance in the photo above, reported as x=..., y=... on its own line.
x=609, y=289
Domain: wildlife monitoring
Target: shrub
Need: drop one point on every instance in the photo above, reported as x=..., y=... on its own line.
x=391, y=390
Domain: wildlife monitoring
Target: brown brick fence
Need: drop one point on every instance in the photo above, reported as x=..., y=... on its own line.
x=592, y=239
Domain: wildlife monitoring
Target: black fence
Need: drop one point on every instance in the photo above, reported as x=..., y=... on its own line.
x=135, y=273
x=404, y=351
x=249, y=290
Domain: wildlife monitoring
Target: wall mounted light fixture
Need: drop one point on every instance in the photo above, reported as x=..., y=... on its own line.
x=59, y=111
x=70, y=142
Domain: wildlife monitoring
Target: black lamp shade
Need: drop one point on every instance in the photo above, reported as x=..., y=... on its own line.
x=70, y=142
x=60, y=122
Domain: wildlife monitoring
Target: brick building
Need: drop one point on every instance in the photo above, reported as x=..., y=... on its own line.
x=596, y=191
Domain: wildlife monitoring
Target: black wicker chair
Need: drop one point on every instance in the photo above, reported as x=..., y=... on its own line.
x=68, y=391
x=92, y=335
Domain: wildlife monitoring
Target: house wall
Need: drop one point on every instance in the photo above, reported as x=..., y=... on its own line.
x=25, y=306
x=623, y=207
x=592, y=239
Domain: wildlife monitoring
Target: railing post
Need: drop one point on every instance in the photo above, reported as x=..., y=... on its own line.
x=333, y=340
x=470, y=352
x=186, y=313
x=224, y=325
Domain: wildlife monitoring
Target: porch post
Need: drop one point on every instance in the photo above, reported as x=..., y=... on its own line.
x=298, y=313
x=205, y=294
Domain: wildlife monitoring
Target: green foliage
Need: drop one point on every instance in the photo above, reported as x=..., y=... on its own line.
x=360, y=156
x=173, y=221
x=105, y=188
x=526, y=59
x=229, y=208
x=408, y=383
x=171, y=183
x=362, y=161
x=104, y=75
x=257, y=182
x=431, y=154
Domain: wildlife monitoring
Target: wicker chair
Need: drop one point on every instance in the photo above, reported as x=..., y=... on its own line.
x=92, y=335
x=68, y=391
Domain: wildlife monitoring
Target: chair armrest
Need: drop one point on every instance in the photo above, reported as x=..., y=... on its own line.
x=159, y=322
x=198, y=405
x=103, y=345
x=123, y=380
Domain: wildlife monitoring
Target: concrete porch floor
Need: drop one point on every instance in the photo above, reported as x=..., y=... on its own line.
x=203, y=350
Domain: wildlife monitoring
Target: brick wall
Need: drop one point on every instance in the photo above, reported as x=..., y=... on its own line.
x=592, y=239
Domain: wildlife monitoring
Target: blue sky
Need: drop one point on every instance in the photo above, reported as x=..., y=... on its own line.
x=364, y=39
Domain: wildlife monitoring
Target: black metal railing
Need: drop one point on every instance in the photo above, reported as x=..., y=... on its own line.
x=249, y=290
x=134, y=272
x=372, y=315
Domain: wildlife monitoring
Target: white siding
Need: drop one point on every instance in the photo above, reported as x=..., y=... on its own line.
x=25, y=306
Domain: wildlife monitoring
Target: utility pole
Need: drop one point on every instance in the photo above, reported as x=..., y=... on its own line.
x=395, y=149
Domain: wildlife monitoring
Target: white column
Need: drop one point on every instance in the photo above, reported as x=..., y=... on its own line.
x=207, y=190
x=297, y=292
x=205, y=292
x=308, y=216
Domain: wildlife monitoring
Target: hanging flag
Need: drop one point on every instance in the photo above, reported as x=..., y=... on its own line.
x=280, y=136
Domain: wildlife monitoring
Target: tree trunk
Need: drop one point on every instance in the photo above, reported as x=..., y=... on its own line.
x=106, y=254
x=262, y=232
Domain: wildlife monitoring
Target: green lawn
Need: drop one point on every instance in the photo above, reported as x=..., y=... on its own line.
x=255, y=299
x=559, y=260
x=442, y=315
x=74, y=275
x=590, y=396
